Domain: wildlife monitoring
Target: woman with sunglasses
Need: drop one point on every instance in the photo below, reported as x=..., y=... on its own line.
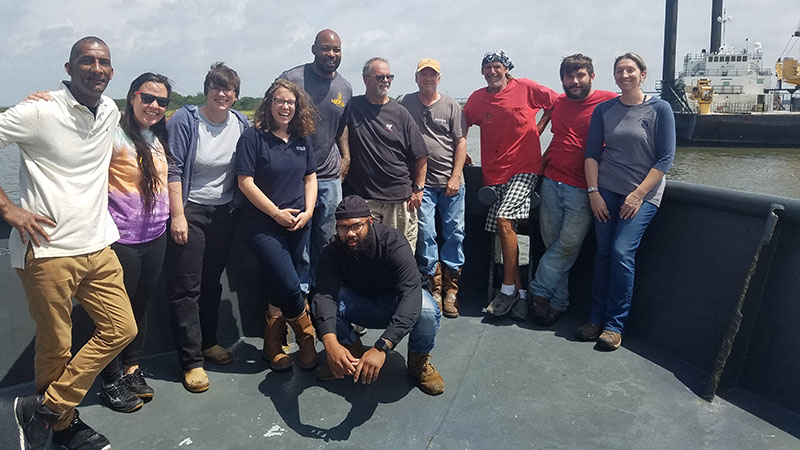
x=630, y=147
x=277, y=175
x=138, y=201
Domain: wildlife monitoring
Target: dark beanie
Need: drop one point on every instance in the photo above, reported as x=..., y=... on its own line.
x=351, y=207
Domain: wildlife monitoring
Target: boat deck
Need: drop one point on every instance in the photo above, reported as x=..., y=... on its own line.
x=508, y=385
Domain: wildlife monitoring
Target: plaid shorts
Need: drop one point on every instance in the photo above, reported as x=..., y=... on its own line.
x=513, y=200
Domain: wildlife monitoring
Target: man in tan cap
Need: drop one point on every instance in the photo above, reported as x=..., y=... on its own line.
x=441, y=123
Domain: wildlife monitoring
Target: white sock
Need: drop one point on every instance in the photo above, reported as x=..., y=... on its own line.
x=507, y=289
x=523, y=294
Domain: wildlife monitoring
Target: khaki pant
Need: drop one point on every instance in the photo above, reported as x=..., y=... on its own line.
x=95, y=280
x=397, y=216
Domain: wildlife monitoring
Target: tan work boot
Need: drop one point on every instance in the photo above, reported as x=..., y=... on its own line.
x=450, y=289
x=274, y=334
x=356, y=349
x=436, y=285
x=218, y=355
x=304, y=335
x=196, y=380
x=426, y=376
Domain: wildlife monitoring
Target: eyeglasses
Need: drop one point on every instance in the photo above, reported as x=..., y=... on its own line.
x=355, y=228
x=382, y=77
x=283, y=101
x=220, y=89
x=148, y=99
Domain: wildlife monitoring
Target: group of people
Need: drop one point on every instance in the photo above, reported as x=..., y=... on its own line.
x=335, y=195
x=607, y=161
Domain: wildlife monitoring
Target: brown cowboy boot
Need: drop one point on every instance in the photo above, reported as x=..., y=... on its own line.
x=274, y=333
x=450, y=289
x=427, y=377
x=304, y=335
x=436, y=284
x=356, y=349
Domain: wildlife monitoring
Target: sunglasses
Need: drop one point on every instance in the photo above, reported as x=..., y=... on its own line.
x=382, y=77
x=149, y=98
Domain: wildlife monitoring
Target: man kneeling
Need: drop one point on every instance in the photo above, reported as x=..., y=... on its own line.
x=368, y=276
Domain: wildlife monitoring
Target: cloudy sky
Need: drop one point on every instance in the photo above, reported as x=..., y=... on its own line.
x=260, y=38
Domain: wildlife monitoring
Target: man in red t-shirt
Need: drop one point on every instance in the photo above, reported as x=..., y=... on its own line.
x=565, y=215
x=511, y=159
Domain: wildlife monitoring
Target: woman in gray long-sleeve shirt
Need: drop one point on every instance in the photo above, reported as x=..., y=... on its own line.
x=630, y=147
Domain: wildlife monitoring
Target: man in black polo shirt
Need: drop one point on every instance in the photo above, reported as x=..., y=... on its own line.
x=368, y=276
x=389, y=159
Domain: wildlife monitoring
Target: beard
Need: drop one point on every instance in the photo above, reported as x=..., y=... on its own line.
x=585, y=89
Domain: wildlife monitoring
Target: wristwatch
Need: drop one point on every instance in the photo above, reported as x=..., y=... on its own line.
x=417, y=188
x=381, y=345
x=592, y=189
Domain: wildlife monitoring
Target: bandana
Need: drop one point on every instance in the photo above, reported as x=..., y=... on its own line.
x=497, y=56
x=352, y=207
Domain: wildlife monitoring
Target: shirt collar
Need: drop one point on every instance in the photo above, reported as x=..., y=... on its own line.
x=73, y=103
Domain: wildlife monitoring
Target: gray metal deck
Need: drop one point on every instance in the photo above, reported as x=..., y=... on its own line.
x=508, y=385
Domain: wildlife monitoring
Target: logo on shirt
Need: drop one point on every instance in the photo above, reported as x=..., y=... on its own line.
x=338, y=101
x=441, y=121
x=388, y=126
x=645, y=123
x=300, y=148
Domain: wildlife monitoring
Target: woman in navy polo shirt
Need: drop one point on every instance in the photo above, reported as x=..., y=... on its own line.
x=276, y=172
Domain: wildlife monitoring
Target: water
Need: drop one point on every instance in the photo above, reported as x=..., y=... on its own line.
x=767, y=171
x=772, y=171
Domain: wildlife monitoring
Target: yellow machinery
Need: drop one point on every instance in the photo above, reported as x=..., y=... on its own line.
x=702, y=92
x=788, y=70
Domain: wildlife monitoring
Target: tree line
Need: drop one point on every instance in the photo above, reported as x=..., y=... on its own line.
x=177, y=101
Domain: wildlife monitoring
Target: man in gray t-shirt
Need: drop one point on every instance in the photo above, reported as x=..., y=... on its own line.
x=330, y=93
x=441, y=123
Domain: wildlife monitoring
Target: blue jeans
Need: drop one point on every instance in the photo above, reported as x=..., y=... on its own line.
x=617, y=241
x=278, y=251
x=377, y=312
x=451, y=211
x=323, y=228
x=565, y=216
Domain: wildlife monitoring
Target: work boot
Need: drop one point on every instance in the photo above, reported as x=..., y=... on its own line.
x=423, y=372
x=33, y=422
x=218, y=355
x=450, y=289
x=196, y=380
x=541, y=306
x=304, y=335
x=79, y=436
x=551, y=318
x=118, y=396
x=609, y=340
x=356, y=349
x=274, y=333
x=588, y=331
x=436, y=282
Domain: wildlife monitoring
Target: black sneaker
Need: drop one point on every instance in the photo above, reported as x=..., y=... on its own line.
x=33, y=422
x=119, y=397
x=138, y=386
x=360, y=331
x=79, y=436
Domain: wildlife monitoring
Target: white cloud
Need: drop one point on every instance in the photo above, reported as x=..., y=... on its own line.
x=261, y=38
